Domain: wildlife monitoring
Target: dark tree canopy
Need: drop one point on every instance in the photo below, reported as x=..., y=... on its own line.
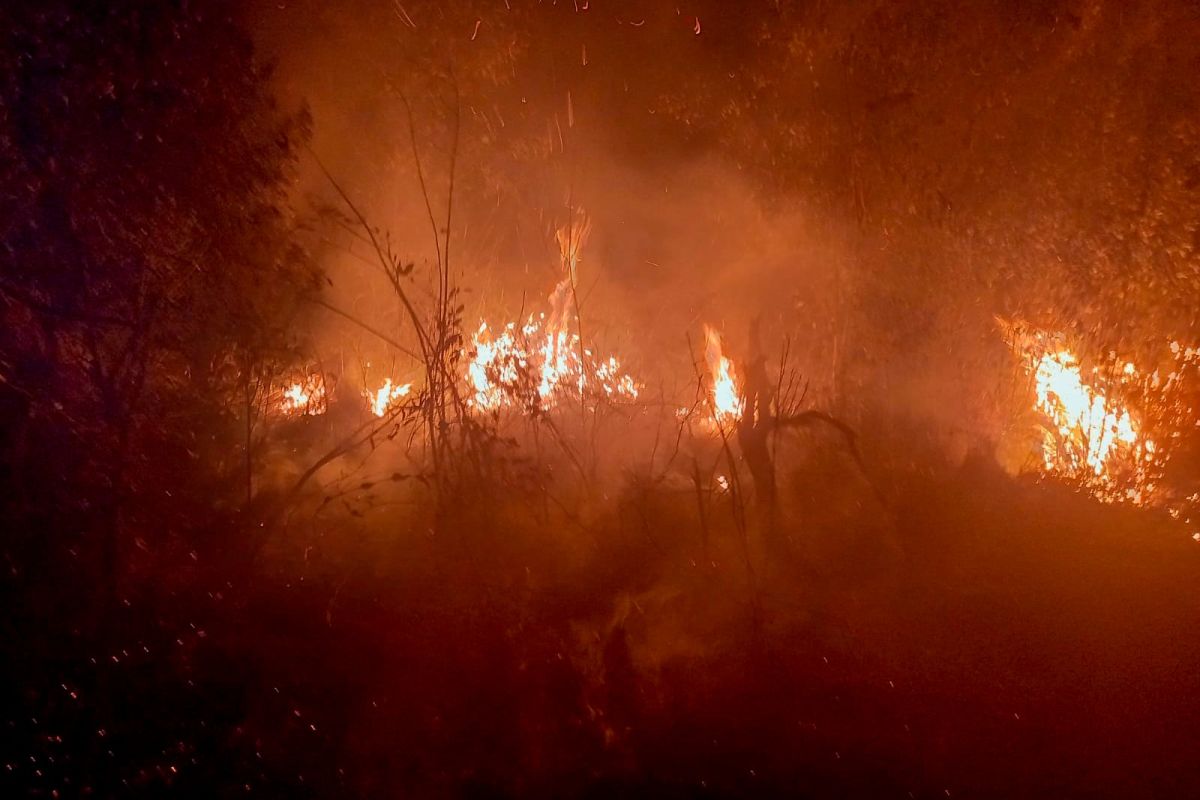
x=148, y=262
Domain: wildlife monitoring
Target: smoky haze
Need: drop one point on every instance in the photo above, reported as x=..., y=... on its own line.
x=681, y=233
x=892, y=487
x=875, y=181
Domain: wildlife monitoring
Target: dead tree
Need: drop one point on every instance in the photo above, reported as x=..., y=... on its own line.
x=757, y=421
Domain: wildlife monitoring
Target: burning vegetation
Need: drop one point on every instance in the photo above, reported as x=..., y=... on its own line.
x=532, y=366
x=386, y=397
x=1111, y=428
x=344, y=455
x=726, y=401
x=305, y=397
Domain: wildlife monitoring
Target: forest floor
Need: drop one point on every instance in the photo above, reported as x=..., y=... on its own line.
x=1022, y=641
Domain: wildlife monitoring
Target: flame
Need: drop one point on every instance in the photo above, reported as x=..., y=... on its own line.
x=386, y=396
x=1098, y=423
x=1090, y=433
x=571, y=238
x=1091, y=429
x=305, y=397
x=532, y=365
x=727, y=402
x=495, y=366
x=613, y=382
x=560, y=357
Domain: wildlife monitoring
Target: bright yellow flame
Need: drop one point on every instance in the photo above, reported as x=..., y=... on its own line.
x=1098, y=422
x=1090, y=436
x=495, y=364
x=383, y=398
x=303, y=398
x=1095, y=430
x=531, y=366
x=727, y=402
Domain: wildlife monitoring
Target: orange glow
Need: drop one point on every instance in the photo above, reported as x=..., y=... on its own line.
x=530, y=366
x=727, y=402
x=305, y=397
x=386, y=397
x=1092, y=430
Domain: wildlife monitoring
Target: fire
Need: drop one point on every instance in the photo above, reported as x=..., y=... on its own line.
x=613, y=382
x=385, y=397
x=1113, y=429
x=571, y=238
x=1098, y=422
x=727, y=402
x=305, y=397
x=532, y=365
x=495, y=364
x=1092, y=437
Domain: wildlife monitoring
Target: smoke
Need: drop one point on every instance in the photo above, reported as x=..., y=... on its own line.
x=874, y=205
x=681, y=235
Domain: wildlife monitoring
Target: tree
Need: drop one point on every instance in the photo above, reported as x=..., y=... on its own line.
x=149, y=262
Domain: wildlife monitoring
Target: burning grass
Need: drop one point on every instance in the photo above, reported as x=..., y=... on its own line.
x=386, y=396
x=725, y=396
x=532, y=366
x=1109, y=426
x=304, y=397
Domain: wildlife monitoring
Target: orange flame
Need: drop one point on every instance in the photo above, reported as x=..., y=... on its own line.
x=386, y=397
x=1097, y=423
x=1090, y=435
x=1093, y=429
x=532, y=365
x=571, y=238
x=727, y=402
x=303, y=398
